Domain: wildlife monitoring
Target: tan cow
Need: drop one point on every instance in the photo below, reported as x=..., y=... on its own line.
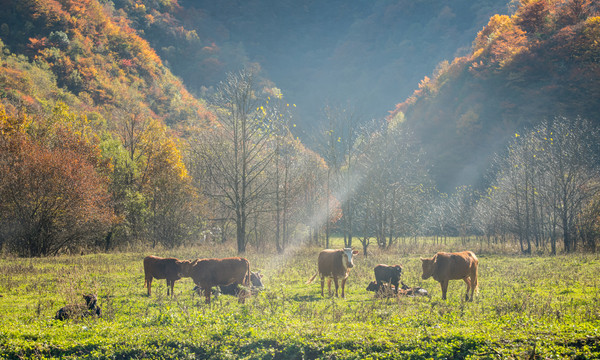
x=334, y=264
x=163, y=268
x=452, y=266
x=208, y=273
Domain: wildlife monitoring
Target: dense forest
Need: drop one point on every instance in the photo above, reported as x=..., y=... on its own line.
x=102, y=146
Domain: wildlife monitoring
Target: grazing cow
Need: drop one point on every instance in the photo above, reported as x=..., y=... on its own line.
x=208, y=273
x=77, y=311
x=233, y=289
x=163, y=268
x=452, y=266
x=388, y=274
x=334, y=264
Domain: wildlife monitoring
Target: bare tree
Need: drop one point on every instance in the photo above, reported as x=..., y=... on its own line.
x=235, y=154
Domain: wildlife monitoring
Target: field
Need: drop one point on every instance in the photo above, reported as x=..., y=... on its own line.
x=527, y=307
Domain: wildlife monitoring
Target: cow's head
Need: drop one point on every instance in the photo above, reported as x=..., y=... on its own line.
x=372, y=286
x=347, y=258
x=256, y=280
x=184, y=267
x=90, y=300
x=428, y=267
x=398, y=269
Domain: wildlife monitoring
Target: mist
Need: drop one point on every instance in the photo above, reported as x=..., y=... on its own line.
x=369, y=53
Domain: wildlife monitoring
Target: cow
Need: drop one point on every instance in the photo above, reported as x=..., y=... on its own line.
x=383, y=290
x=234, y=290
x=388, y=274
x=90, y=308
x=163, y=268
x=208, y=273
x=406, y=290
x=452, y=266
x=334, y=264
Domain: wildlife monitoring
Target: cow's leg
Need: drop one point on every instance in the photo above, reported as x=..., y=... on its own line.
x=322, y=285
x=329, y=286
x=468, y=282
x=444, y=285
x=335, y=281
x=395, y=287
x=474, y=283
x=149, y=285
x=207, y=291
x=172, y=286
x=343, y=286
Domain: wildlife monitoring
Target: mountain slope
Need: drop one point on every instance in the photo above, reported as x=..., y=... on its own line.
x=539, y=63
x=94, y=57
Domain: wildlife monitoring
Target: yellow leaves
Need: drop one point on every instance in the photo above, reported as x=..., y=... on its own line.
x=517, y=135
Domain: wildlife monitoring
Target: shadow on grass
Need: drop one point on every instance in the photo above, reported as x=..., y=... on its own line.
x=307, y=298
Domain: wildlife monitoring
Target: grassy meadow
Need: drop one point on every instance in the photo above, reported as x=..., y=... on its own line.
x=527, y=307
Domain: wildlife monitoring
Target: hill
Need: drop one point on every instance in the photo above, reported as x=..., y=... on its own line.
x=537, y=64
x=366, y=53
x=89, y=60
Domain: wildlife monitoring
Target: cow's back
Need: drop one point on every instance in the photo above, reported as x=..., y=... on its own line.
x=454, y=266
x=161, y=268
x=212, y=272
x=330, y=263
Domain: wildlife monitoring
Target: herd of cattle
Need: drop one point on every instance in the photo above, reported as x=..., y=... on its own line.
x=229, y=273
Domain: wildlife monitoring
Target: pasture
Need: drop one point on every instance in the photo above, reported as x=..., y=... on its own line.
x=527, y=307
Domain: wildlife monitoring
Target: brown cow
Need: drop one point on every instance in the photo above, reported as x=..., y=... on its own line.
x=452, y=266
x=163, y=268
x=208, y=273
x=334, y=264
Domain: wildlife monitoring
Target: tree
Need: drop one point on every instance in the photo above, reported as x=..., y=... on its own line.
x=545, y=182
x=235, y=152
x=52, y=198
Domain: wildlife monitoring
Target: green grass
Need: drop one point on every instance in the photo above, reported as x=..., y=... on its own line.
x=540, y=307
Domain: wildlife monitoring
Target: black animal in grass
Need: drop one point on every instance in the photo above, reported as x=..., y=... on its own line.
x=388, y=274
x=234, y=290
x=75, y=311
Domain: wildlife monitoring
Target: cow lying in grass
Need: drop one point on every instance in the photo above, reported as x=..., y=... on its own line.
x=234, y=289
x=163, y=268
x=406, y=290
x=386, y=290
x=452, y=266
x=76, y=311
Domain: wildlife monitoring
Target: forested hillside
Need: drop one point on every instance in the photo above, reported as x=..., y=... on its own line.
x=540, y=63
x=102, y=146
x=366, y=54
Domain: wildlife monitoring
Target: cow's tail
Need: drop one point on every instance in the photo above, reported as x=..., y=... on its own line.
x=312, y=278
x=247, y=279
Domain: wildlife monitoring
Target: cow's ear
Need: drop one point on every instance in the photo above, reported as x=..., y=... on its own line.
x=355, y=252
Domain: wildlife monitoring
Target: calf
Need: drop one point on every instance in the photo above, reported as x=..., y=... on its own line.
x=383, y=290
x=78, y=311
x=406, y=290
x=334, y=264
x=163, y=268
x=208, y=273
x=452, y=266
x=389, y=274
x=233, y=289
